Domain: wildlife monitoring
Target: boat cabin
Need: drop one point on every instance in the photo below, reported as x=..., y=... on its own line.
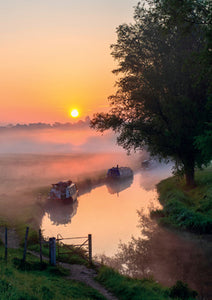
x=64, y=190
x=119, y=172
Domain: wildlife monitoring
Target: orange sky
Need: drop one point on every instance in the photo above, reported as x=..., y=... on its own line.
x=55, y=56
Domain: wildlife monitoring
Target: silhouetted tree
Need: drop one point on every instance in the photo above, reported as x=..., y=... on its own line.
x=162, y=101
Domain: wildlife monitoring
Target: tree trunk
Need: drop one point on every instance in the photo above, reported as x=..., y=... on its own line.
x=189, y=174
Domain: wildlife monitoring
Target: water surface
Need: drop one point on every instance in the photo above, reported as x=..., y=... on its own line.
x=108, y=212
x=131, y=242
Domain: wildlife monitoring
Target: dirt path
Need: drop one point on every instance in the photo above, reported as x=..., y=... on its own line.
x=77, y=272
x=85, y=275
x=12, y=237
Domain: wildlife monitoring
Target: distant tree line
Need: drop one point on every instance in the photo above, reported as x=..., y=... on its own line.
x=40, y=125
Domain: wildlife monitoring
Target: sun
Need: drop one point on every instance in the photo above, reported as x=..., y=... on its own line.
x=74, y=113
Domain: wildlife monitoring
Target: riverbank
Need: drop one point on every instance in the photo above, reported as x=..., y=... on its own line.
x=27, y=206
x=32, y=280
x=187, y=209
x=36, y=281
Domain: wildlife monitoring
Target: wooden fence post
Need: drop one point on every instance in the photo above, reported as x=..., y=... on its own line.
x=25, y=244
x=5, y=256
x=52, y=251
x=58, y=249
x=40, y=242
x=90, y=247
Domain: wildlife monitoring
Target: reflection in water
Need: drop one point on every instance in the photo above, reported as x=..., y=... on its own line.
x=61, y=212
x=116, y=186
x=166, y=255
x=152, y=176
x=103, y=215
x=107, y=217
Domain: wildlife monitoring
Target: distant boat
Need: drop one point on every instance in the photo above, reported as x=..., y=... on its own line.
x=119, y=173
x=64, y=190
x=146, y=164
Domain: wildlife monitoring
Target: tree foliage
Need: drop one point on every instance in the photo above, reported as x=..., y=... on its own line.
x=163, y=97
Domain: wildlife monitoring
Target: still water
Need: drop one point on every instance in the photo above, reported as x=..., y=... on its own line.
x=108, y=212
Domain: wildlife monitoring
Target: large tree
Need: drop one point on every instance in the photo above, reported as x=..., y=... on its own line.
x=163, y=98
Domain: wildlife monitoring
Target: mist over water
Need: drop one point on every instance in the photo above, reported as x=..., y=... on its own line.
x=59, y=139
x=55, y=153
x=31, y=160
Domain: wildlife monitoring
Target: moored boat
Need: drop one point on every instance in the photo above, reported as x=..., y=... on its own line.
x=119, y=173
x=147, y=164
x=64, y=190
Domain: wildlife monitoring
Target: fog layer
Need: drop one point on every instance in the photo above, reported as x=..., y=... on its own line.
x=55, y=140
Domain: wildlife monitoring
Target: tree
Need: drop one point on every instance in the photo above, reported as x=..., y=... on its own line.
x=162, y=99
x=204, y=143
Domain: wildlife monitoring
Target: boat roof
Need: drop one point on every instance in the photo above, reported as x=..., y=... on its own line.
x=63, y=183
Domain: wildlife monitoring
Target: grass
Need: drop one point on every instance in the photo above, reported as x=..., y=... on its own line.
x=74, y=256
x=126, y=288
x=186, y=209
x=32, y=281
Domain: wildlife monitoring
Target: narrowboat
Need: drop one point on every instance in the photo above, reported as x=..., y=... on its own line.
x=64, y=190
x=119, y=173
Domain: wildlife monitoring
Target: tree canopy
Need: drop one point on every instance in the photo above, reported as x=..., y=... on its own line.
x=163, y=98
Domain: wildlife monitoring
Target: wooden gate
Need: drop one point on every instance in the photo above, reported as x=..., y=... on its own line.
x=84, y=242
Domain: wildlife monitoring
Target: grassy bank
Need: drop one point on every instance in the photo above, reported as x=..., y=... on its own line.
x=126, y=288
x=33, y=281
x=186, y=209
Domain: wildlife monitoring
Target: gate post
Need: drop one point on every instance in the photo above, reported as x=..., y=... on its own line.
x=40, y=242
x=25, y=244
x=5, y=243
x=52, y=251
x=90, y=247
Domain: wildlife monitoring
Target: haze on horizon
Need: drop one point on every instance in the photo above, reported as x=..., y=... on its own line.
x=55, y=56
x=57, y=138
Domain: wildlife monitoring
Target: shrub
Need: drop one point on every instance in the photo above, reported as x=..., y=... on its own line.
x=182, y=291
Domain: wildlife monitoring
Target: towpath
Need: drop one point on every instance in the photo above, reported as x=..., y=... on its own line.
x=85, y=275
x=77, y=272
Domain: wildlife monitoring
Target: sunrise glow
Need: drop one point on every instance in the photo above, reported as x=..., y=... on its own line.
x=74, y=113
x=54, y=52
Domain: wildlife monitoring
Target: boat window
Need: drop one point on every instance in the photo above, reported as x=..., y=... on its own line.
x=72, y=189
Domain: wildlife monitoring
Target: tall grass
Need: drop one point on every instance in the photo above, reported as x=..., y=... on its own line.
x=73, y=255
x=186, y=209
x=126, y=288
x=34, y=282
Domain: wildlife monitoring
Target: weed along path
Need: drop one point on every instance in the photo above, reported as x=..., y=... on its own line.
x=83, y=274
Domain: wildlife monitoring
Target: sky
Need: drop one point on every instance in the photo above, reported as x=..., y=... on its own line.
x=55, y=56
